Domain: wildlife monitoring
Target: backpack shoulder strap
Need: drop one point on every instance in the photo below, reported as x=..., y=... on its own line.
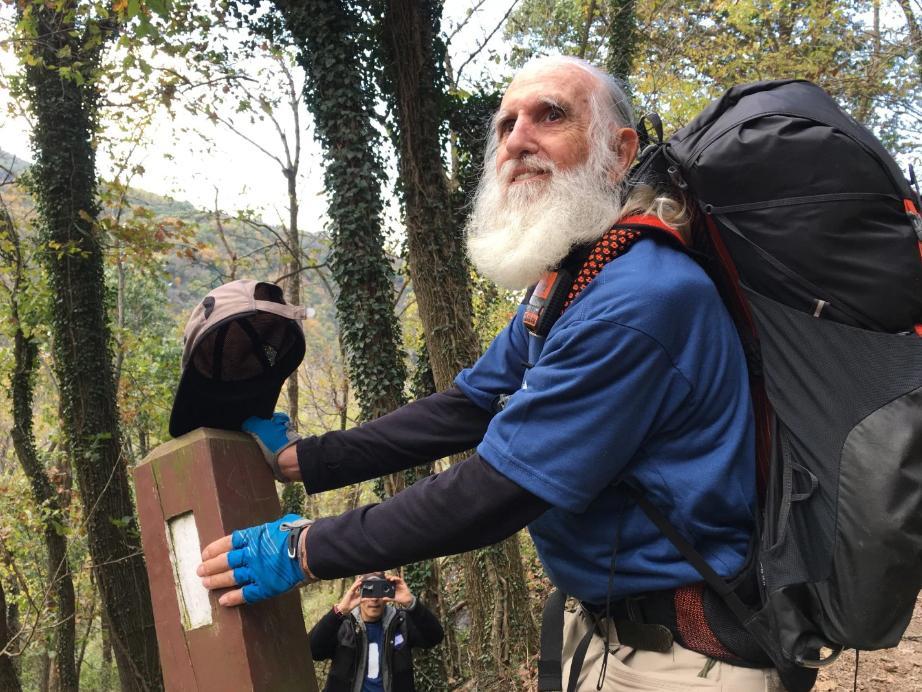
x=550, y=666
x=547, y=300
x=652, y=224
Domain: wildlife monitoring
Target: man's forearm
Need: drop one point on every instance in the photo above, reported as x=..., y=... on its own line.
x=428, y=429
x=469, y=506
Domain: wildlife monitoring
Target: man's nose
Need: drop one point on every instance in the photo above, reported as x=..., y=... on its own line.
x=522, y=139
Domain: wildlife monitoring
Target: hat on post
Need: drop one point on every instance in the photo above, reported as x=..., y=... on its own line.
x=240, y=345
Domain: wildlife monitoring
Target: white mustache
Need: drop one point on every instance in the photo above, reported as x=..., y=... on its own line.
x=516, y=233
x=531, y=164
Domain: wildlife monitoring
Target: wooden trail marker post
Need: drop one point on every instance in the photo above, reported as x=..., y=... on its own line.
x=190, y=492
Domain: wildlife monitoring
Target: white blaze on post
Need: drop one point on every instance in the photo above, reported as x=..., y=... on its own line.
x=185, y=555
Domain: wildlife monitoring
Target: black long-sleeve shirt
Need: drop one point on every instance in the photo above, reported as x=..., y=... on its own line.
x=469, y=506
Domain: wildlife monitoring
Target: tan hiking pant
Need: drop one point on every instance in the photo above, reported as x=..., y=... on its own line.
x=633, y=670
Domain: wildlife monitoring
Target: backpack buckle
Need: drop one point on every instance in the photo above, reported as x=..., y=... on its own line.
x=915, y=219
x=675, y=175
x=916, y=222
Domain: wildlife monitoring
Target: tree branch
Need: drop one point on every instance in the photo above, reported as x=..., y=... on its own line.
x=485, y=42
x=463, y=22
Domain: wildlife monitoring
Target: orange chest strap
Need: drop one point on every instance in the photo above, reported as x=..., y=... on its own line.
x=558, y=289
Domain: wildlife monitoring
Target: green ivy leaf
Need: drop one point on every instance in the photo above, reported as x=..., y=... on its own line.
x=160, y=7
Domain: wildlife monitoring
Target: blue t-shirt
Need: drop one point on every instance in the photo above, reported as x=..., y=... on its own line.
x=374, y=680
x=642, y=379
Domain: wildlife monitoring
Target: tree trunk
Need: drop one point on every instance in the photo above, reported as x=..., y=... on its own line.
x=587, y=28
x=915, y=35
x=60, y=587
x=294, y=499
x=622, y=39
x=432, y=667
x=325, y=32
x=46, y=676
x=293, y=284
x=435, y=246
x=865, y=104
x=106, y=644
x=503, y=632
x=9, y=678
x=64, y=187
x=89, y=617
x=14, y=628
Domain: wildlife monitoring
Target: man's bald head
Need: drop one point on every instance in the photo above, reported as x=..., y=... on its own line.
x=611, y=92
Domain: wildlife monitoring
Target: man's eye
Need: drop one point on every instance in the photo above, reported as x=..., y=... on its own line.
x=555, y=114
x=506, y=126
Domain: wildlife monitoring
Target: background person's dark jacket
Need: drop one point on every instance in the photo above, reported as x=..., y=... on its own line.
x=343, y=640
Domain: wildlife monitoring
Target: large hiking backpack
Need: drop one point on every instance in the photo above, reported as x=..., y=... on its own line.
x=816, y=242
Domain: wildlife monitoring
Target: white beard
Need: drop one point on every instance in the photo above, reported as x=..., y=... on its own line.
x=517, y=233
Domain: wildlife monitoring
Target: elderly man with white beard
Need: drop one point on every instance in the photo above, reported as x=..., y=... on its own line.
x=641, y=382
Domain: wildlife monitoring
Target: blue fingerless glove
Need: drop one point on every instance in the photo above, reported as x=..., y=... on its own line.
x=272, y=435
x=265, y=558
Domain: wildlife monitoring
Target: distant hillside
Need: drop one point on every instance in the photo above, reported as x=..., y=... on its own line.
x=188, y=279
x=12, y=163
x=163, y=206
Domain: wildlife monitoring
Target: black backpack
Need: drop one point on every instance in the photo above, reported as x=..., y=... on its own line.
x=814, y=237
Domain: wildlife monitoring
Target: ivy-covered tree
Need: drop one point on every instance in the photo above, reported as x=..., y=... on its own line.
x=61, y=46
x=914, y=31
x=413, y=84
x=59, y=585
x=331, y=40
x=9, y=677
x=622, y=38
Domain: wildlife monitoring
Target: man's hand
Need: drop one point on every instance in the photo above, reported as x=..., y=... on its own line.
x=402, y=594
x=262, y=560
x=351, y=598
x=274, y=436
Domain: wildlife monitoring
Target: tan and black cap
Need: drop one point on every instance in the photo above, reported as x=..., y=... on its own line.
x=240, y=345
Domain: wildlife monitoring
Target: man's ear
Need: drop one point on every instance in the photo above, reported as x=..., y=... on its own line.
x=625, y=145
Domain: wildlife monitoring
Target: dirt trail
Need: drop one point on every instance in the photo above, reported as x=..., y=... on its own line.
x=894, y=670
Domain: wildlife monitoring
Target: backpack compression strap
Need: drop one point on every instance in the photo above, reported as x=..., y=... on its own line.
x=916, y=219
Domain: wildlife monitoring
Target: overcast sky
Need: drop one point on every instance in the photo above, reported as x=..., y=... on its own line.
x=187, y=167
